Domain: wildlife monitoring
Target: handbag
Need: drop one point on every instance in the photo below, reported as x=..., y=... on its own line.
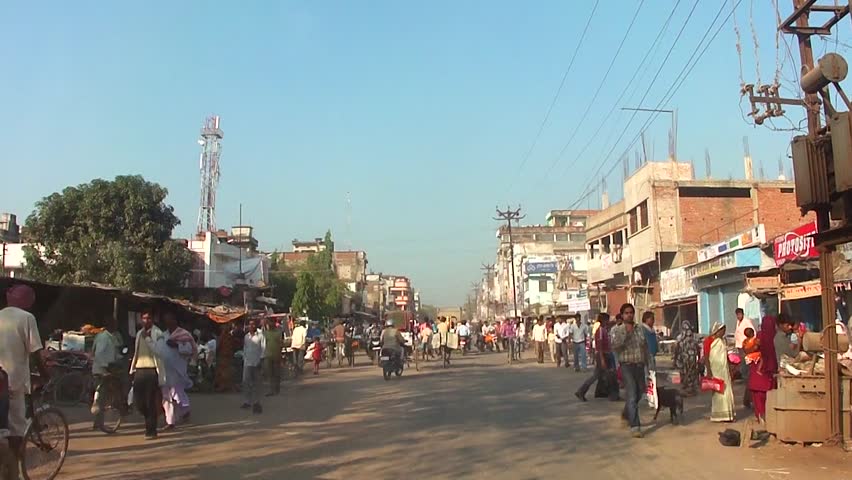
x=711, y=384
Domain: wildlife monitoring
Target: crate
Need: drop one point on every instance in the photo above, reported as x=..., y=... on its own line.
x=795, y=411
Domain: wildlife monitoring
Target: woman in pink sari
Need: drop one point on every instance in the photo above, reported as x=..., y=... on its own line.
x=762, y=373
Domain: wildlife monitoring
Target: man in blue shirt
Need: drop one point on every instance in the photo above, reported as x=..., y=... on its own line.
x=650, y=338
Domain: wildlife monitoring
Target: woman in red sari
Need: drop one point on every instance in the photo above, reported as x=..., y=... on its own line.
x=762, y=374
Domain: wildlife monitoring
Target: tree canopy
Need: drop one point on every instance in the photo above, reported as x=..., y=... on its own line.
x=114, y=232
x=318, y=290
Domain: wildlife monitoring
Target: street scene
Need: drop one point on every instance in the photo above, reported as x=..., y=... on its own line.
x=348, y=240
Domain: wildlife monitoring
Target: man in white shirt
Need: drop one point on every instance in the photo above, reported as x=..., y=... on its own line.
x=253, y=348
x=562, y=338
x=298, y=344
x=464, y=334
x=579, y=333
x=19, y=341
x=539, y=336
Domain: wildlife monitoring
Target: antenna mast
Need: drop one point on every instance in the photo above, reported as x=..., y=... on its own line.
x=211, y=149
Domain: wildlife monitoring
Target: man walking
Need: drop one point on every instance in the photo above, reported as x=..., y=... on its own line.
x=743, y=324
x=254, y=346
x=539, y=336
x=562, y=334
x=272, y=356
x=632, y=349
x=149, y=373
x=104, y=353
x=298, y=345
x=176, y=349
x=604, y=364
x=579, y=333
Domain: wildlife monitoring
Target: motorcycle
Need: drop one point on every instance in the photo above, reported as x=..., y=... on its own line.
x=375, y=349
x=391, y=363
x=463, y=344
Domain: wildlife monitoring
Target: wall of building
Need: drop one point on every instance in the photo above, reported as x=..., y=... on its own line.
x=778, y=211
x=711, y=218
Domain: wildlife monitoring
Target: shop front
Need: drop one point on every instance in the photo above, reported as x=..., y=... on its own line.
x=719, y=282
x=679, y=300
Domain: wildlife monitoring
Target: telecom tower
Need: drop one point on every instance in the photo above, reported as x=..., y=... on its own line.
x=211, y=149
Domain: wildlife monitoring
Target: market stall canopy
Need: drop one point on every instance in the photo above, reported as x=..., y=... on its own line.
x=225, y=314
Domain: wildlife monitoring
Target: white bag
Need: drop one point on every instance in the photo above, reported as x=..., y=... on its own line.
x=130, y=396
x=651, y=391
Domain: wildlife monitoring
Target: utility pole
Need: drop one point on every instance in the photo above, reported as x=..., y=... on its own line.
x=817, y=138
x=488, y=268
x=508, y=215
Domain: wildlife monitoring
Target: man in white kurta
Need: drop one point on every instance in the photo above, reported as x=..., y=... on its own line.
x=176, y=349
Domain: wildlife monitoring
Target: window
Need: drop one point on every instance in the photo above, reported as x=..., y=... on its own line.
x=634, y=221
x=542, y=285
x=643, y=215
x=578, y=237
x=562, y=237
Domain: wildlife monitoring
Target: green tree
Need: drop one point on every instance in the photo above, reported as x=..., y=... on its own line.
x=328, y=289
x=307, y=299
x=114, y=232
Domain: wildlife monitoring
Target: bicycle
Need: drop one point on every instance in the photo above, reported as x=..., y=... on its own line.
x=72, y=388
x=45, y=440
x=111, y=400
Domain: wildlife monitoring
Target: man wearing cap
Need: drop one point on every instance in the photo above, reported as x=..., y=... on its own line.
x=19, y=343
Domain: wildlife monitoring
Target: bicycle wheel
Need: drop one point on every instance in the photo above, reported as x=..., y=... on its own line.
x=69, y=389
x=45, y=445
x=112, y=409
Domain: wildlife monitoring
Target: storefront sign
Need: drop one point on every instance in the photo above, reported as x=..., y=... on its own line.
x=542, y=267
x=796, y=245
x=579, y=304
x=714, y=265
x=763, y=283
x=754, y=236
x=801, y=290
x=675, y=284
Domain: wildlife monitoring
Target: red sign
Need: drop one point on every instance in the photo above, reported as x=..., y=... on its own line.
x=796, y=245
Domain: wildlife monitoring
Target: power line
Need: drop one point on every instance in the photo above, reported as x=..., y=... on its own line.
x=615, y=104
x=676, y=85
x=600, y=86
x=558, y=90
x=653, y=81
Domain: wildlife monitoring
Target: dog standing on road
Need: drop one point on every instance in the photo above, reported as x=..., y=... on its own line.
x=671, y=398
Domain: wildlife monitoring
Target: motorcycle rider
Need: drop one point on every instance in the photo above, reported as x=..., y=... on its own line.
x=392, y=340
x=464, y=334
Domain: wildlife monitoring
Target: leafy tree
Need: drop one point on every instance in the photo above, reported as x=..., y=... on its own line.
x=284, y=285
x=327, y=288
x=114, y=232
x=307, y=299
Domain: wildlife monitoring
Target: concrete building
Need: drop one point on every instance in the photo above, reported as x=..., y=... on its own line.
x=315, y=245
x=226, y=260
x=10, y=231
x=550, y=265
x=665, y=219
x=388, y=293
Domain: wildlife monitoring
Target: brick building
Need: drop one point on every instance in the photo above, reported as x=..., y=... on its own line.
x=665, y=219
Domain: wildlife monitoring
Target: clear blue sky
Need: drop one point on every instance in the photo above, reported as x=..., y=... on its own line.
x=422, y=110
